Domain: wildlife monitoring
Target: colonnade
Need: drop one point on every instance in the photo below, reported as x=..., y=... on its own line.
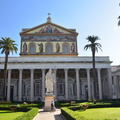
x=55, y=87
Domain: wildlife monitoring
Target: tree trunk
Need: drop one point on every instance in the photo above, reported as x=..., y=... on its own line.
x=5, y=75
x=94, y=81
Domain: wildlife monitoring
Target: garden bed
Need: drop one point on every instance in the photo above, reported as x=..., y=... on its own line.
x=94, y=111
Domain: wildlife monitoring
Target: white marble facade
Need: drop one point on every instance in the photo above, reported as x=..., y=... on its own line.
x=26, y=78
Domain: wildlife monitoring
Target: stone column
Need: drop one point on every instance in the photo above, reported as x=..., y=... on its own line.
x=32, y=85
x=20, y=86
x=66, y=84
x=99, y=84
x=43, y=84
x=115, y=83
x=55, y=85
x=118, y=87
x=8, y=85
x=88, y=80
x=109, y=82
x=78, y=84
x=115, y=86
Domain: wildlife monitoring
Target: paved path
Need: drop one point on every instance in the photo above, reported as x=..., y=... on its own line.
x=42, y=115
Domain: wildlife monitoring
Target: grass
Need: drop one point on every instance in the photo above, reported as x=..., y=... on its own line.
x=101, y=113
x=8, y=115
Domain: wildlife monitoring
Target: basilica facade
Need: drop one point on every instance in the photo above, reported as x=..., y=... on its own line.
x=51, y=46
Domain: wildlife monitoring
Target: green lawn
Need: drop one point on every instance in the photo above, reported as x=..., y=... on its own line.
x=8, y=115
x=101, y=113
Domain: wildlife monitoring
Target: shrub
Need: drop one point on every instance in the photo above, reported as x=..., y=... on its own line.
x=4, y=107
x=70, y=114
x=29, y=115
x=65, y=104
x=5, y=102
x=13, y=108
x=84, y=106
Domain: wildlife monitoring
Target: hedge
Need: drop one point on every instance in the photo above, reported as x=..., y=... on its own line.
x=70, y=112
x=21, y=107
x=29, y=115
x=71, y=115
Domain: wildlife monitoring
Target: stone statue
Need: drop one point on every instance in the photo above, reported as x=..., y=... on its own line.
x=49, y=81
x=73, y=48
x=24, y=47
x=57, y=47
x=40, y=47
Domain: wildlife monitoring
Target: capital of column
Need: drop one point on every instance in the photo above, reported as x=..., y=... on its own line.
x=88, y=69
x=9, y=70
x=20, y=69
x=66, y=69
x=43, y=70
x=31, y=70
x=109, y=69
x=55, y=69
x=77, y=69
x=98, y=69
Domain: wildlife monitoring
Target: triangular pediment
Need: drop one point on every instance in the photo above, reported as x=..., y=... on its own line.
x=48, y=28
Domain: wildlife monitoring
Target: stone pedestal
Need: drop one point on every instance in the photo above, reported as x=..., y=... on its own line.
x=48, y=100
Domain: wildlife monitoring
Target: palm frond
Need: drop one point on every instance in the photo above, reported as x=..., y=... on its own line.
x=88, y=46
x=8, y=45
x=93, y=46
x=119, y=21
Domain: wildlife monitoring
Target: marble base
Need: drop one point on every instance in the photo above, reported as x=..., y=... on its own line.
x=48, y=100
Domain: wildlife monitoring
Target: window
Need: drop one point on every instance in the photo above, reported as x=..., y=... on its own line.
x=61, y=89
x=32, y=48
x=49, y=49
x=65, y=48
x=37, y=88
x=28, y=90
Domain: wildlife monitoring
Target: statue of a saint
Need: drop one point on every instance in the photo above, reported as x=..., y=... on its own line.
x=49, y=81
x=40, y=47
x=57, y=47
x=24, y=47
x=73, y=48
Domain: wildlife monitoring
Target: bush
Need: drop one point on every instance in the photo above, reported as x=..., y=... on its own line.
x=71, y=115
x=21, y=107
x=65, y=104
x=4, y=107
x=29, y=115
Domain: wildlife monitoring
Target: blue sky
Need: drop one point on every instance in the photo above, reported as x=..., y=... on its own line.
x=88, y=17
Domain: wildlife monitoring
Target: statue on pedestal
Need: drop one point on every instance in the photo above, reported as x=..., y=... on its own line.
x=49, y=81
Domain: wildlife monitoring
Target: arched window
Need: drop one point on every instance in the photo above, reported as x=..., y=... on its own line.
x=65, y=48
x=49, y=49
x=32, y=48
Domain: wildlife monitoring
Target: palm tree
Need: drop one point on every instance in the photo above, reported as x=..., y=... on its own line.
x=7, y=45
x=94, y=47
x=119, y=21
